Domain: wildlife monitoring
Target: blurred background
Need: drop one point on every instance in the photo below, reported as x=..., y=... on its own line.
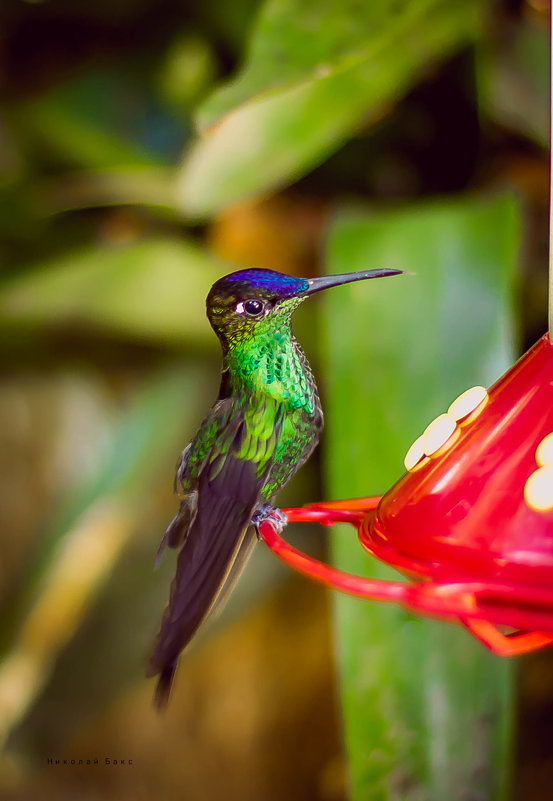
x=146, y=148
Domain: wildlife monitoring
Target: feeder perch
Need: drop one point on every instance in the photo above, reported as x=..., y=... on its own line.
x=471, y=521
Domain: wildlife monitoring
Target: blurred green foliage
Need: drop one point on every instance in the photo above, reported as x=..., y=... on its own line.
x=285, y=120
x=447, y=700
x=116, y=287
x=139, y=145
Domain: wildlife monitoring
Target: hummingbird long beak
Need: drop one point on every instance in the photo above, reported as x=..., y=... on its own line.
x=327, y=281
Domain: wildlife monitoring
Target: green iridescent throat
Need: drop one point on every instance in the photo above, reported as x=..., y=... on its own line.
x=268, y=361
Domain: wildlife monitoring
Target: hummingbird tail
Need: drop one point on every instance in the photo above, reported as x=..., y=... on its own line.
x=214, y=547
x=164, y=684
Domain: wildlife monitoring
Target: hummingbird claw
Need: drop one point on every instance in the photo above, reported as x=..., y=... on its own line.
x=276, y=516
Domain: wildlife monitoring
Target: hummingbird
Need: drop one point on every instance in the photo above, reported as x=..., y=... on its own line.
x=262, y=428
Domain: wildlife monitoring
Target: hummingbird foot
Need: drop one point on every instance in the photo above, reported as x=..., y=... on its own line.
x=276, y=516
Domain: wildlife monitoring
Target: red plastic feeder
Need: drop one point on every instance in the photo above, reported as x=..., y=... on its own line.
x=471, y=521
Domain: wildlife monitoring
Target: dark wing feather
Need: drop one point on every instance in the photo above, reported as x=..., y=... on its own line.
x=178, y=528
x=215, y=549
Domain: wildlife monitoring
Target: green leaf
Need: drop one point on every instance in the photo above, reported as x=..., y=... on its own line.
x=293, y=42
x=152, y=289
x=130, y=186
x=426, y=708
x=92, y=121
x=187, y=70
x=316, y=73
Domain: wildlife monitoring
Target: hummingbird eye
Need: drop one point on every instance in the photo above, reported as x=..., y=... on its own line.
x=252, y=308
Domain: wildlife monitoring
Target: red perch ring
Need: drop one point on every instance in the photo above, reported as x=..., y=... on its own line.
x=470, y=522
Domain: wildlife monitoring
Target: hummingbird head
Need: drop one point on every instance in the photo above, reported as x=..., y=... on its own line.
x=244, y=303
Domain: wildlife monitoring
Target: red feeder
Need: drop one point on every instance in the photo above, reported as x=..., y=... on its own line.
x=471, y=521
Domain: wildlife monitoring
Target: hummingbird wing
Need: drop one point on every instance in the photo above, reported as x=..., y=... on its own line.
x=178, y=527
x=227, y=467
